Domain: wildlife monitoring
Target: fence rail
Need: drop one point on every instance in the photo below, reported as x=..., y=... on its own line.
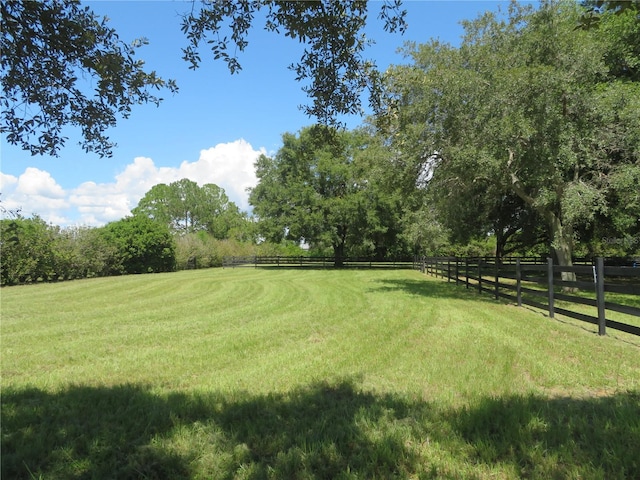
x=315, y=262
x=540, y=284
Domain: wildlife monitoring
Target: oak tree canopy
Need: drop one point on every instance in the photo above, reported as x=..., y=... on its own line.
x=51, y=48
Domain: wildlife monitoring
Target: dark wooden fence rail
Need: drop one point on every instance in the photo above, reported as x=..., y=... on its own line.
x=316, y=262
x=539, y=283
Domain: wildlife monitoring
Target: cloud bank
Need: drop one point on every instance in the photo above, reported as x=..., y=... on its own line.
x=228, y=165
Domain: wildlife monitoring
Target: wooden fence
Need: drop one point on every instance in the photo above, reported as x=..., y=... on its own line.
x=314, y=262
x=539, y=283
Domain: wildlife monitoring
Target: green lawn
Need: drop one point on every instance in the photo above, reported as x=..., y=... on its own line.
x=254, y=374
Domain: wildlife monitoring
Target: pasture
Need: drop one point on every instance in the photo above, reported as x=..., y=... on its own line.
x=309, y=374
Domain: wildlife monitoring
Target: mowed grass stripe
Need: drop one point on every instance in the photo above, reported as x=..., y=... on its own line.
x=251, y=374
x=275, y=329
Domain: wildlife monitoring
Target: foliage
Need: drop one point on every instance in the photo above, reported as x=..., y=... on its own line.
x=318, y=189
x=534, y=132
x=424, y=232
x=49, y=49
x=142, y=246
x=204, y=250
x=82, y=252
x=333, y=61
x=185, y=207
x=27, y=253
x=623, y=26
x=596, y=9
x=33, y=251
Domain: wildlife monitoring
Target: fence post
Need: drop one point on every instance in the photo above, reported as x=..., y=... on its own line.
x=497, y=279
x=479, y=275
x=602, y=322
x=518, y=282
x=466, y=272
x=550, y=285
x=457, y=273
x=448, y=269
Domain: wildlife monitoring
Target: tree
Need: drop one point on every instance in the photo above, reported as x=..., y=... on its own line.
x=48, y=48
x=425, y=234
x=332, y=30
x=49, y=45
x=543, y=121
x=221, y=216
x=619, y=19
x=317, y=189
x=596, y=8
x=143, y=246
x=185, y=207
x=27, y=251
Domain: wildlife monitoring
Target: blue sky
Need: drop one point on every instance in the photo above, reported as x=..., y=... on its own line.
x=213, y=130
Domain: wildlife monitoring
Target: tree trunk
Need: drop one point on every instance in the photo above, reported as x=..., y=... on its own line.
x=562, y=244
x=338, y=248
x=561, y=235
x=338, y=255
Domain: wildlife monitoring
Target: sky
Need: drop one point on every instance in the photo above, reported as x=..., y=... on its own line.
x=212, y=130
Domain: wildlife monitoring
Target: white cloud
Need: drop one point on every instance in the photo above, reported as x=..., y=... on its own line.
x=7, y=181
x=228, y=165
x=7, y=187
x=35, y=191
x=35, y=182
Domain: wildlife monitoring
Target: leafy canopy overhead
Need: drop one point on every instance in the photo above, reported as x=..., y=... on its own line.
x=53, y=49
x=333, y=59
x=49, y=49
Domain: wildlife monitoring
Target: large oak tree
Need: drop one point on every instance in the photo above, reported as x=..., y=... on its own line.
x=528, y=106
x=319, y=188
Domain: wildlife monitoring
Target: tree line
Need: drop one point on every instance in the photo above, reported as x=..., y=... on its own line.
x=176, y=226
x=525, y=139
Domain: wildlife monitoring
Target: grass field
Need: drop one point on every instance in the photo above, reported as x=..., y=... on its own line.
x=251, y=374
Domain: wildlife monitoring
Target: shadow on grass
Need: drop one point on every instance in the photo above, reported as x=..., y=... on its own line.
x=320, y=431
x=433, y=288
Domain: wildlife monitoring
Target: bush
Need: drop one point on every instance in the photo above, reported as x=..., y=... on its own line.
x=142, y=246
x=27, y=251
x=202, y=250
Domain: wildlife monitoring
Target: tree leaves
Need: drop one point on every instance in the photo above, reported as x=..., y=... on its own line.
x=322, y=187
x=333, y=62
x=48, y=46
x=185, y=207
x=513, y=113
